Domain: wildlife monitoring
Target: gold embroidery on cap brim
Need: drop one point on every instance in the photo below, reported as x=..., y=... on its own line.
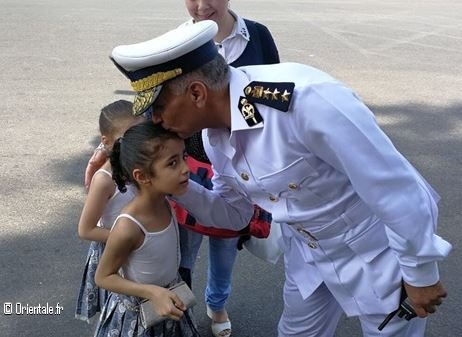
x=155, y=79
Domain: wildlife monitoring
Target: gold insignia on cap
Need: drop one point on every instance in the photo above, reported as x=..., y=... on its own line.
x=155, y=79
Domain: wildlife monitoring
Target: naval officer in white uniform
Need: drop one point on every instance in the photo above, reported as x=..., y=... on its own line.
x=359, y=222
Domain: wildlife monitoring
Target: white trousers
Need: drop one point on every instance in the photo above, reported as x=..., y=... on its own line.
x=318, y=316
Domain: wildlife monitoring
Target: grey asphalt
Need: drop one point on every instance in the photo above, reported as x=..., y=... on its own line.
x=402, y=57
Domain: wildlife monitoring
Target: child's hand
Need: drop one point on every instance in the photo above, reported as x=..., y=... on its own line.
x=166, y=303
x=97, y=160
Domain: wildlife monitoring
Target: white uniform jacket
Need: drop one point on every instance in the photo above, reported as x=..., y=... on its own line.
x=358, y=216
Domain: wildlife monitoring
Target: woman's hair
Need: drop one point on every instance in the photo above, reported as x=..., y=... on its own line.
x=214, y=74
x=114, y=116
x=139, y=148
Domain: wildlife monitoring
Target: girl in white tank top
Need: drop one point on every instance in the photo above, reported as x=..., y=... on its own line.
x=142, y=254
x=102, y=205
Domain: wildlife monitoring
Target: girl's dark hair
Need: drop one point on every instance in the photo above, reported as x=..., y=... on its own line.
x=139, y=147
x=113, y=114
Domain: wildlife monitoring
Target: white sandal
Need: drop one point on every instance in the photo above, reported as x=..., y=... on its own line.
x=222, y=329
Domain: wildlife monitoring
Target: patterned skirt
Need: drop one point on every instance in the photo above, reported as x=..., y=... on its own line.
x=121, y=318
x=91, y=298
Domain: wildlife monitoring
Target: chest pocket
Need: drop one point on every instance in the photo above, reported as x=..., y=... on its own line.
x=292, y=182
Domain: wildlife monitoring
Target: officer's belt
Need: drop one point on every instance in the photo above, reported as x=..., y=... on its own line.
x=346, y=221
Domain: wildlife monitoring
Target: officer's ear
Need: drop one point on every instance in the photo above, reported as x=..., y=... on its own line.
x=198, y=93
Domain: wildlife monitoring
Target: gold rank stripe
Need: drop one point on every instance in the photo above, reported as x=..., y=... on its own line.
x=155, y=79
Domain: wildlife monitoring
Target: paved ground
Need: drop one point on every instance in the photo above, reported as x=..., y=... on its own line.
x=403, y=57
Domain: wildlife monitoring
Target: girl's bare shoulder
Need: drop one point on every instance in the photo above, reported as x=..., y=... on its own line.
x=126, y=231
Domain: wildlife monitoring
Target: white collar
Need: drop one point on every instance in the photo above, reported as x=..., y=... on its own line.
x=240, y=28
x=237, y=82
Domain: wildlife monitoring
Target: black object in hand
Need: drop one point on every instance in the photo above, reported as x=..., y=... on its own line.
x=405, y=310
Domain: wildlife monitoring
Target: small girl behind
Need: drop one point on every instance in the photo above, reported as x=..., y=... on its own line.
x=142, y=253
x=102, y=205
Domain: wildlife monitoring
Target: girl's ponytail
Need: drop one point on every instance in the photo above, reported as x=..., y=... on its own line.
x=118, y=173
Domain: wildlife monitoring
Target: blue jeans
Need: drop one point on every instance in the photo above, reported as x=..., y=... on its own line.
x=222, y=254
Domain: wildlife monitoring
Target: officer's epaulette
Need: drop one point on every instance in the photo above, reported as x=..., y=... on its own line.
x=276, y=95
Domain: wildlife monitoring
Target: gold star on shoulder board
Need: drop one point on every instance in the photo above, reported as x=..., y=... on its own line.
x=285, y=96
x=273, y=94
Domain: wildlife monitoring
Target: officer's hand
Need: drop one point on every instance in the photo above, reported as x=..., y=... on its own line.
x=425, y=299
x=97, y=160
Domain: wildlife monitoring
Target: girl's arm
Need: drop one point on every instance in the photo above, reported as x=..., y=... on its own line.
x=98, y=196
x=96, y=161
x=123, y=239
